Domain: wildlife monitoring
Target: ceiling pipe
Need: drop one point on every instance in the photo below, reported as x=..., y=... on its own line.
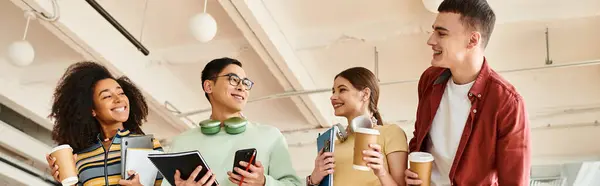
x=171, y=108
x=548, y=59
x=537, y=128
x=55, y=12
x=118, y=26
x=296, y=93
x=376, y=55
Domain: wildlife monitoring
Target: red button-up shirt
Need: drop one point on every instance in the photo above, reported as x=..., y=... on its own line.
x=495, y=146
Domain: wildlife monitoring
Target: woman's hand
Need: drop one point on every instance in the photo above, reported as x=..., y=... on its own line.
x=54, y=167
x=324, y=165
x=133, y=182
x=374, y=159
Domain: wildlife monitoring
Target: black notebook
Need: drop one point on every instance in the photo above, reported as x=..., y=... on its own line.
x=185, y=162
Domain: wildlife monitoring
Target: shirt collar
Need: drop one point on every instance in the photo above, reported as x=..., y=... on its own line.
x=120, y=134
x=480, y=82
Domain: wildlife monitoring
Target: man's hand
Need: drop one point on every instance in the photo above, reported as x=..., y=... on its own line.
x=412, y=178
x=255, y=176
x=207, y=180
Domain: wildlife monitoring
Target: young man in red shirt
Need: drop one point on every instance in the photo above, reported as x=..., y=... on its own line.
x=469, y=118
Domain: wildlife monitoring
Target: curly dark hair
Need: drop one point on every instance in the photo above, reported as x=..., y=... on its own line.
x=73, y=103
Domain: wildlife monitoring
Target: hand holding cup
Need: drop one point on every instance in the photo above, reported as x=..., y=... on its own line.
x=62, y=163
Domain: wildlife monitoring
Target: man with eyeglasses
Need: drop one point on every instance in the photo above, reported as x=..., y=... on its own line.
x=218, y=138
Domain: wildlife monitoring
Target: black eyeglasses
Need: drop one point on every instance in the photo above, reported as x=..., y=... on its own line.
x=235, y=80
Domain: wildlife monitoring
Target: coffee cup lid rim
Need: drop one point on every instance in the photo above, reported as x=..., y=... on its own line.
x=70, y=181
x=420, y=157
x=367, y=131
x=60, y=147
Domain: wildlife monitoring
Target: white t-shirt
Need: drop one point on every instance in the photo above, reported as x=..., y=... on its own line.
x=447, y=129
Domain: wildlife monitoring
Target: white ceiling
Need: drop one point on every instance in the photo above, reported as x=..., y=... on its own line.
x=301, y=45
x=29, y=89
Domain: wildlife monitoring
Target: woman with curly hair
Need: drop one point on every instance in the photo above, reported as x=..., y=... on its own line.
x=92, y=111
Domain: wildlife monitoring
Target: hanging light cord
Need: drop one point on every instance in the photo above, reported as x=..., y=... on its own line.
x=32, y=14
x=143, y=21
x=26, y=27
x=205, y=3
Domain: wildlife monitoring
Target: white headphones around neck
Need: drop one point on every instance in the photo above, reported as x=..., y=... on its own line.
x=358, y=122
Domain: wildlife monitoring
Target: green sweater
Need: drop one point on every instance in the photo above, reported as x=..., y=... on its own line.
x=218, y=151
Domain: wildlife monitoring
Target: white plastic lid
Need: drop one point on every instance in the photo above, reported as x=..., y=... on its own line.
x=60, y=147
x=367, y=131
x=420, y=157
x=70, y=181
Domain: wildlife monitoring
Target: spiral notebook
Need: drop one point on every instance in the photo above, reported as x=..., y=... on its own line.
x=185, y=162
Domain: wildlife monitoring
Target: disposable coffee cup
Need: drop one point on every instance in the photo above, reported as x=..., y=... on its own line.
x=66, y=165
x=364, y=137
x=421, y=163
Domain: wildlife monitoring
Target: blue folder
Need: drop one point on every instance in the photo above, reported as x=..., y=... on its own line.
x=327, y=141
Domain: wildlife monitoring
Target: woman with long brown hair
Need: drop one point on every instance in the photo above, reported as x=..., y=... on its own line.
x=356, y=94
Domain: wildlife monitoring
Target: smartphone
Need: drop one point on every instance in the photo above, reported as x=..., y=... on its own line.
x=244, y=155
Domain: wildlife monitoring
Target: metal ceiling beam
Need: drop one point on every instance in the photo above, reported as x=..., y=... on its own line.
x=323, y=90
x=90, y=39
x=262, y=32
x=22, y=143
x=23, y=173
x=118, y=26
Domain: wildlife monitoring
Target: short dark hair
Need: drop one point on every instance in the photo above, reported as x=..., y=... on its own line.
x=475, y=14
x=216, y=66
